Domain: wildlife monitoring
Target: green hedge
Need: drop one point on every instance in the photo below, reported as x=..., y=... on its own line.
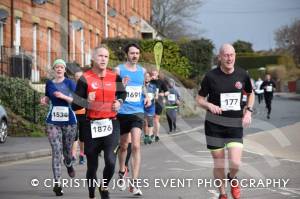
x=257, y=61
x=171, y=59
x=200, y=55
x=21, y=99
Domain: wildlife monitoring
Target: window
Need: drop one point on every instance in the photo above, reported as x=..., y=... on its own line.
x=73, y=45
x=97, y=39
x=88, y=55
x=1, y=39
x=97, y=4
x=82, y=47
x=49, y=47
x=17, y=42
x=34, y=45
x=123, y=7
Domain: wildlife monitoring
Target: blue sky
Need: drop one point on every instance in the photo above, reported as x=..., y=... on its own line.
x=249, y=20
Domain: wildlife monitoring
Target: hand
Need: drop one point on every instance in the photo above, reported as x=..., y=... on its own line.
x=44, y=100
x=214, y=109
x=58, y=94
x=91, y=96
x=247, y=118
x=125, y=80
x=147, y=102
x=116, y=105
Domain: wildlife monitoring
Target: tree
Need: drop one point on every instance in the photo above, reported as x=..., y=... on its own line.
x=200, y=55
x=288, y=38
x=242, y=47
x=168, y=17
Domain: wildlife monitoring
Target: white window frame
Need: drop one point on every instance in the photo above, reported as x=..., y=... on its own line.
x=49, y=46
x=82, y=46
x=17, y=41
x=97, y=4
x=1, y=38
x=73, y=44
x=34, y=44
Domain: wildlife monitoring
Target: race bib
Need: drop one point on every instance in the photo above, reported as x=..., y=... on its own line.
x=171, y=97
x=101, y=128
x=244, y=98
x=60, y=114
x=269, y=88
x=134, y=93
x=150, y=95
x=230, y=101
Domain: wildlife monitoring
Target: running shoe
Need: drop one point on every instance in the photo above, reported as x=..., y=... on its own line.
x=71, y=171
x=122, y=181
x=156, y=138
x=104, y=193
x=146, y=139
x=234, y=187
x=58, y=190
x=152, y=138
x=136, y=191
x=81, y=160
x=222, y=196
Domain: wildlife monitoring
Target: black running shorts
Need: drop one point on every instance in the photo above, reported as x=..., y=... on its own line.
x=158, y=108
x=218, y=136
x=129, y=121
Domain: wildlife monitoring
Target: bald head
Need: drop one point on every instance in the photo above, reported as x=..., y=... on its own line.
x=227, y=57
x=226, y=48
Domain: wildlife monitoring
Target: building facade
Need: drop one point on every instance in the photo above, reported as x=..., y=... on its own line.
x=43, y=30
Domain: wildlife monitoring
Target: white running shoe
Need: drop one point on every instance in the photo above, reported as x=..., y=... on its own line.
x=136, y=191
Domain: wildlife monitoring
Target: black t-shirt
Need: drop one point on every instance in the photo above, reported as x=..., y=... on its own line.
x=229, y=87
x=268, y=87
x=161, y=85
x=162, y=88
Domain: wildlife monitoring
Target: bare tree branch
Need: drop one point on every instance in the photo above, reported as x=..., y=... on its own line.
x=169, y=16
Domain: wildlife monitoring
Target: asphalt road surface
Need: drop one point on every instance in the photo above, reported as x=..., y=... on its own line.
x=179, y=166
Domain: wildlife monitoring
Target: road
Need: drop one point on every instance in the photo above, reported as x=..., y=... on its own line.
x=179, y=165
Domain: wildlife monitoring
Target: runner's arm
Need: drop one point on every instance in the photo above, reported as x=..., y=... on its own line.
x=121, y=92
x=80, y=95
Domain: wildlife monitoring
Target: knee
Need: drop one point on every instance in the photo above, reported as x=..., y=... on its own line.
x=123, y=147
x=235, y=164
x=135, y=147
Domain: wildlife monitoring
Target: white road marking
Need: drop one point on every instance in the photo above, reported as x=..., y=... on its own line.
x=24, y=161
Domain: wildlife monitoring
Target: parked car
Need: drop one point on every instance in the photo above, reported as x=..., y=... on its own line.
x=3, y=124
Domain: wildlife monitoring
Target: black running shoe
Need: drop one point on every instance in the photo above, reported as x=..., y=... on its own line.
x=58, y=190
x=104, y=193
x=71, y=171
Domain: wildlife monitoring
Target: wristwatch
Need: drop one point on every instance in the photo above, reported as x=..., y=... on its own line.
x=249, y=109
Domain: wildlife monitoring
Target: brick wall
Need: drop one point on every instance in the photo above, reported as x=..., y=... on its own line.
x=48, y=17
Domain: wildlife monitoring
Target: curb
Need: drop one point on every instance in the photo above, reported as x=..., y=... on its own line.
x=47, y=152
x=291, y=96
x=22, y=156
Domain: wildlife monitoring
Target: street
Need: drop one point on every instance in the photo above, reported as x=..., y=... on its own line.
x=179, y=166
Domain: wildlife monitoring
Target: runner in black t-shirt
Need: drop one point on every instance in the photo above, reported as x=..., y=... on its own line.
x=268, y=86
x=225, y=118
x=159, y=103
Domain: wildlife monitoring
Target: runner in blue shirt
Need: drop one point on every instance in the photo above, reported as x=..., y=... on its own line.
x=61, y=121
x=149, y=111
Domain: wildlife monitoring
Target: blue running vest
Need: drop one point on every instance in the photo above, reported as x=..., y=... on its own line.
x=134, y=102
